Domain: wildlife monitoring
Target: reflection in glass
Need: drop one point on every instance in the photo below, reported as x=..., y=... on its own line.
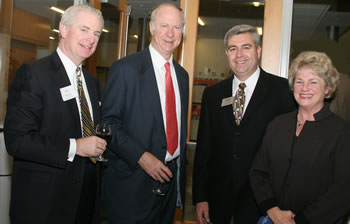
x=322, y=26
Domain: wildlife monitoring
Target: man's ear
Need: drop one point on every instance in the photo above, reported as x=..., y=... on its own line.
x=259, y=51
x=151, y=27
x=63, y=30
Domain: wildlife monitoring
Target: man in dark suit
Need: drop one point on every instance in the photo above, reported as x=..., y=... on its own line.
x=227, y=139
x=146, y=101
x=53, y=179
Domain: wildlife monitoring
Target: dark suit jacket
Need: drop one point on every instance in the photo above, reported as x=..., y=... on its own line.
x=308, y=175
x=131, y=104
x=224, y=151
x=46, y=188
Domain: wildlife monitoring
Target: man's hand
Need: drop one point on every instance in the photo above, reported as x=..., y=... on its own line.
x=90, y=146
x=279, y=216
x=202, y=212
x=155, y=168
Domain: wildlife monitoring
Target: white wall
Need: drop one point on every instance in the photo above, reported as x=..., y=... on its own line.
x=211, y=59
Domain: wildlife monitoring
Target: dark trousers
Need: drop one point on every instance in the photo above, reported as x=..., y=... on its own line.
x=156, y=209
x=164, y=207
x=88, y=210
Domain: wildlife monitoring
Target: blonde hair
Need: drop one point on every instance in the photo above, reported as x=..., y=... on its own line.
x=318, y=62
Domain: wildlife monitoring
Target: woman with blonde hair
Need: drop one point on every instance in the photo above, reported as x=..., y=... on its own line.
x=301, y=172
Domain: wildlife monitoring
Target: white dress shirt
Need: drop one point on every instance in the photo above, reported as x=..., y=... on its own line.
x=70, y=68
x=159, y=68
x=249, y=89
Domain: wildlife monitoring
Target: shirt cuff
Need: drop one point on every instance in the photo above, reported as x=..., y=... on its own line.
x=72, y=149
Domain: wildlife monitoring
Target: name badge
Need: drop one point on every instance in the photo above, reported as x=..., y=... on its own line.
x=68, y=93
x=227, y=101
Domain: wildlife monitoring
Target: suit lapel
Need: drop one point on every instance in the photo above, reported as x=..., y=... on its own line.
x=149, y=87
x=93, y=94
x=181, y=81
x=62, y=80
x=228, y=110
x=261, y=89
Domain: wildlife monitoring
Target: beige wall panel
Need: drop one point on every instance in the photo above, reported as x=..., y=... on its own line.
x=187, y=56
x=270, y=60
x=30, y=28
x=5, y=43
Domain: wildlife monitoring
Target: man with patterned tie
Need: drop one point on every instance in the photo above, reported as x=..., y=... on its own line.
x=233, y=118
x=52, y=107
x=146, y=100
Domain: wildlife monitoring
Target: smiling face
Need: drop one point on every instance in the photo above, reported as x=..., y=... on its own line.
x=309, y=90
x=166, y=30
x=243, y=55
x=79, y=41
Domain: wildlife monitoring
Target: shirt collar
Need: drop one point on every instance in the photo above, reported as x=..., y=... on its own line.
x=250, y=82
x=157, y=59
x=67, y=63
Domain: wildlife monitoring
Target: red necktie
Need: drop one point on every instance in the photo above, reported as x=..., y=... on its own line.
x=170, y=111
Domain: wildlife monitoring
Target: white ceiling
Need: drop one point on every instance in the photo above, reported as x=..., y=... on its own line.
x=309, y=21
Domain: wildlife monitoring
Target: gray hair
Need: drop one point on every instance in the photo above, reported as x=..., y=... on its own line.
x=239, y=29
x=69, y=16
x=155, y=11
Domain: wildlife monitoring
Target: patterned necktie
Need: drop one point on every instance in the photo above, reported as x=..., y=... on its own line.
x=170, y=111
x=88, y=126
x=238, y=103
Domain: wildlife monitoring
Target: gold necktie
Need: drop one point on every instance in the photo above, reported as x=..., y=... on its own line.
x=88, y=126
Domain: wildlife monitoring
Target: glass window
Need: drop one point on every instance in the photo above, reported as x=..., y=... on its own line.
x=35, y=33
x=322, y=26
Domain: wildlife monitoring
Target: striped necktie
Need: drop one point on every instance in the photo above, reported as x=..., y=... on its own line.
x=238, y=103
x=88, y=126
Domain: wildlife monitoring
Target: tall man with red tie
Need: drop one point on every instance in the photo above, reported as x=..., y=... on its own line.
x=146, y=100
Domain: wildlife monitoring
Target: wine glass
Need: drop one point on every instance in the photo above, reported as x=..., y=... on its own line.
x=159, y=189
x=103, y=131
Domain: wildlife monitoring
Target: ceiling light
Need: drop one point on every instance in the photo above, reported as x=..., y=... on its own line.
x=135, y=36
x=256, y=4
x=200, y=22
x=53, y=8
x=55, y=30
x=260, y=30
x=51, y=38
x=104, y=30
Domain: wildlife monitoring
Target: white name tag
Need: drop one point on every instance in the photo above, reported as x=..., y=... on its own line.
x=227, y=101
x=68, y=93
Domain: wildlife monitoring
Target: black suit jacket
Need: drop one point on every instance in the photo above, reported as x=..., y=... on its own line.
x=46, y=188
x=225, y=151
x=308, y=175
x=131, y=104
